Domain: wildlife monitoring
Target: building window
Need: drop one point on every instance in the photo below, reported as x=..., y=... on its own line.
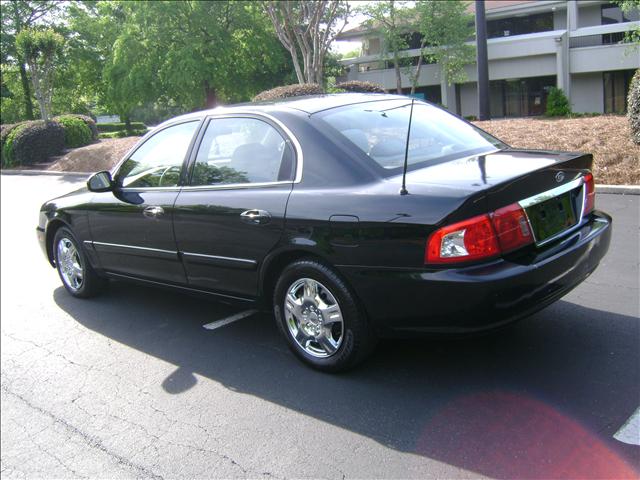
x=616, y=89
x=612, y=13
x=506, y=27
x=522, y=97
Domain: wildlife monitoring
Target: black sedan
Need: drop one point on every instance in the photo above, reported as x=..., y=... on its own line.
x=352, y=216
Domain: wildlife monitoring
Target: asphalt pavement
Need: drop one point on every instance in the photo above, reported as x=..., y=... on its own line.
x=130, y=384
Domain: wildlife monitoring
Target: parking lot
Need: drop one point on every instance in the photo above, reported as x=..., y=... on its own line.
x=130, y=384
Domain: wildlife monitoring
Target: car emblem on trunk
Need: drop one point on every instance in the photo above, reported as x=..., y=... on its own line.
x=559, y=177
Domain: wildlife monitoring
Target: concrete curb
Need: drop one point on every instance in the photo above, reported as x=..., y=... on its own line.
x=614, y=189
x=618, y=189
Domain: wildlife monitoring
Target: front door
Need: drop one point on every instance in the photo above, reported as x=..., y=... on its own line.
x=132, y=227
x=232, y=212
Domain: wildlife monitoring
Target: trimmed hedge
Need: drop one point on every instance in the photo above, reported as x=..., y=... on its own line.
x=557, y=103
x=296, y=90
x=32, y=142
x=633, y=107
x=360, y=86
x=115, y=127
x=76, y=131
x=123, y=134
x=89, y=122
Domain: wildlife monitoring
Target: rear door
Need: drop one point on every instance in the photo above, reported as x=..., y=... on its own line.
x=132, y=226
x=231, y=214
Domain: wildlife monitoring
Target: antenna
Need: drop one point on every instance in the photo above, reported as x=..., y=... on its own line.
x=403, y=189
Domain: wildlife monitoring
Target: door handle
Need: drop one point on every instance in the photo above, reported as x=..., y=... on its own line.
x=255, y=217
x=153, y=211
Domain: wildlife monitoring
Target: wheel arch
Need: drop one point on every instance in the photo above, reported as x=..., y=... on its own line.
x=276, y=262
x=53, y=226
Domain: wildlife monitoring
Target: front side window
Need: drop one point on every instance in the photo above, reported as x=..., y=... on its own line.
x=242, y=150
x=379, y=129
x=158, y=162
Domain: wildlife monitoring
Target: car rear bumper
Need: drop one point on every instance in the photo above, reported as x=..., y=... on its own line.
x=481, y=297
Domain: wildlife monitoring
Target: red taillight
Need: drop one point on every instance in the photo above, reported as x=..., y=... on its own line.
x=512, y=227
x=472, y=239
x=481, y=237
x=590, y=193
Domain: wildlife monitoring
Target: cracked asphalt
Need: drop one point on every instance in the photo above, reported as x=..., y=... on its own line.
x=129, y=385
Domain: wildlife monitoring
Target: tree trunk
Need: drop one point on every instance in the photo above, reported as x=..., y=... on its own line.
x=211, y=99
x=127, y=122
x=396, y=66
x=26, y=90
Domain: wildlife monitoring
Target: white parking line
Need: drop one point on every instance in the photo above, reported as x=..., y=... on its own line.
x=228, y=320
x=630, y=431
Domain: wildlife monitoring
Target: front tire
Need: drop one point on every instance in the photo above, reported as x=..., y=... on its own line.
x=77, y=276
x=320, y=318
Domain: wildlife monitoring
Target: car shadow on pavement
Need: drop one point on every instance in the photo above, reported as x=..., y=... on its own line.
x=532, y=401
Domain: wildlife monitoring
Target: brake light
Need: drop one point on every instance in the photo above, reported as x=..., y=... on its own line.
x=590, y=194
x=481, y=237
x=472, y=239
x=512, y=227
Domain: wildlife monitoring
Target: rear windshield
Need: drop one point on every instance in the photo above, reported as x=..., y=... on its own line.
x=379, y=130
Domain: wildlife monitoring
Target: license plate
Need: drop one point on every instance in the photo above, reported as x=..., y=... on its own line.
x=552, y=216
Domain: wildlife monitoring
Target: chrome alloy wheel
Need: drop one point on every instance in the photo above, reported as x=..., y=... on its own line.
x=314, y=318
x=69, y=264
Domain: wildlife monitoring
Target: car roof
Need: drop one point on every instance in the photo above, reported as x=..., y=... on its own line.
x=308, y=104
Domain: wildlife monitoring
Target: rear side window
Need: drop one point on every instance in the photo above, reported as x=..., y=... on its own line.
x=379, y=130
x=242, y=150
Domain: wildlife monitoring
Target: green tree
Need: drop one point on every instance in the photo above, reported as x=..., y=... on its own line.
x=191, y=54
x=445, y=28
x=307, y=29
x=628, y=6
x=39, y=49
x=391, y=19
x=18, y=15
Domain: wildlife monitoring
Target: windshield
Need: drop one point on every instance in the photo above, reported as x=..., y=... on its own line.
x=379, y=129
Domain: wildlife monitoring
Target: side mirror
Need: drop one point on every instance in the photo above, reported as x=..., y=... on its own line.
x=100, y=182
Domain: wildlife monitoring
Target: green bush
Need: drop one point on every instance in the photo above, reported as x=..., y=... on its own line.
x=76, y=131
x=296, y=90
x=360, y=86
x=32, y=142
x=89, y=122
x=115, y=127
x=5, y=130
x=557, y=103
x=123, y=134
x=633, y=107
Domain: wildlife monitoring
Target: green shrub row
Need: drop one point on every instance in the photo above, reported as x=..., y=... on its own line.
x=32, y=142
x=115, y=127
x=298, y=90
x=360, y=86
x=76, y=131
x=123, y=133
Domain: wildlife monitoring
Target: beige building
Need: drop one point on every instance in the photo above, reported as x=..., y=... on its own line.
x=532, y=46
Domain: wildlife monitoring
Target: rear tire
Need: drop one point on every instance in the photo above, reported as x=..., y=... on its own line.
x=320, y=318
x=77, y=275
